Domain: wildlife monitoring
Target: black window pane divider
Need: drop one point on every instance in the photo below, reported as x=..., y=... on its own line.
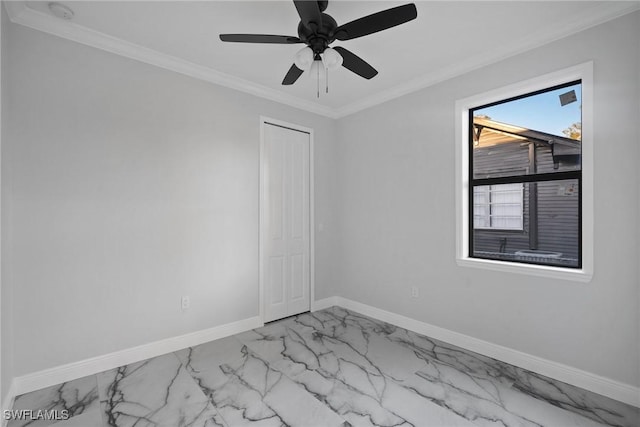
x=538, y=177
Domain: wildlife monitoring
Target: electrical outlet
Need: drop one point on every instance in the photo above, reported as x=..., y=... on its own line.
x=415, y=293
x=185, y=302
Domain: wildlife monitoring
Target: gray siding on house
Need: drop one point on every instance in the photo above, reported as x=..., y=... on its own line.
x=558, y=203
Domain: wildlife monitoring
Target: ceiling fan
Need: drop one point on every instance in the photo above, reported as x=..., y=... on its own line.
x=318, y=30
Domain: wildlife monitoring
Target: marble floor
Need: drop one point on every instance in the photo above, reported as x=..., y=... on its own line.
x=328, y=368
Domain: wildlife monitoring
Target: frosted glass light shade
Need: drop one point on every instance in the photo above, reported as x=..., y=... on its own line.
x=304, y=58
x=315, y=68
x=331, y=59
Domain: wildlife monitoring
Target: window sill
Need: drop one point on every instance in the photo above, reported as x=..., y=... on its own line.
x=576, y=275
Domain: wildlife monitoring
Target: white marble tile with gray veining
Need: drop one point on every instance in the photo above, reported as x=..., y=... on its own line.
x=156, y=392
x=348, y=368
x=69, y=399
x=361, y=360
x=247, y=391
x=574, y=399
x=483, y=384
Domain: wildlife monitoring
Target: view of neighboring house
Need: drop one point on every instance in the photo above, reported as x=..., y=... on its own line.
x=533, y=222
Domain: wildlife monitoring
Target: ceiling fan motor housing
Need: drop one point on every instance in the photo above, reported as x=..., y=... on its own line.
x=316, y=37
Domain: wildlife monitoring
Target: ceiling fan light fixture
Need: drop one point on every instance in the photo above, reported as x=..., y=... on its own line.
x=331, y=59
x=304, y=58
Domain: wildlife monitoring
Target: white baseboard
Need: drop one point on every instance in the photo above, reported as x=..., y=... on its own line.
x=94, y=365
x=607, y=387
x=325, y=303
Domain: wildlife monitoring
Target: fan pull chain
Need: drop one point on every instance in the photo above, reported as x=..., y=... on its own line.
x=318, y=80
x=326, y=73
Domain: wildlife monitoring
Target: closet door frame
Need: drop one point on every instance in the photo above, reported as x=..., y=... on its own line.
x=264, y=228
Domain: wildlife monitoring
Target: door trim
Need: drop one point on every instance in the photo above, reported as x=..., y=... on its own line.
x=263, y=225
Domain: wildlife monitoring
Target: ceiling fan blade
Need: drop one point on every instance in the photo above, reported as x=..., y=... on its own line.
x=259, y=38
x=292, y=75
x=377, y=22
x=309, y=12
x=354, y=63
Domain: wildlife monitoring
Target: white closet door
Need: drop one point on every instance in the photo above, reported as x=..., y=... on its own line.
x=285, y=217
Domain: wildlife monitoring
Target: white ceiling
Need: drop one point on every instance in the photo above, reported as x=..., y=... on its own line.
x=447, y=38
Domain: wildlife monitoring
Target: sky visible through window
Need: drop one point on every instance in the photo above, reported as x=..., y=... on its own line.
x=542, y=112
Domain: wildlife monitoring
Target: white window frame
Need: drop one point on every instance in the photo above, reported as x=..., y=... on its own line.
x=583, y=72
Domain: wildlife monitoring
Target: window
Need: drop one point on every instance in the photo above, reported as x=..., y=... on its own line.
x=525, y=131
x=524, y=176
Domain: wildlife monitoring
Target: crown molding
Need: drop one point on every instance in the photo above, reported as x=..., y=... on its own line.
x=20, y=13
x=606, y=11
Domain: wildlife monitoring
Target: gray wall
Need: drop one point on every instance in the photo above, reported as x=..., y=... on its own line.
x=132, y=186
x=398, y=217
